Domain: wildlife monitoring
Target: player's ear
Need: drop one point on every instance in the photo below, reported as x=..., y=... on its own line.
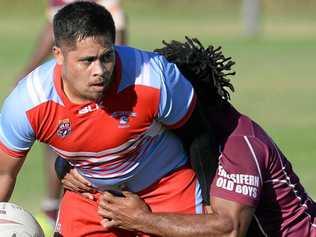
x=58, y=55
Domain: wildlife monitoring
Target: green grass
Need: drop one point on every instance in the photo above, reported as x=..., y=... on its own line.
x=275, y=82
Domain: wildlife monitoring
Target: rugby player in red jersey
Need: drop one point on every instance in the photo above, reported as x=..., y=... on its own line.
x=41, y=53
x=109, y=111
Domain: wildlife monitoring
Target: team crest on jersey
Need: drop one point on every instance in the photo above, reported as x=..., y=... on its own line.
x=123, y=117
x=64, y=128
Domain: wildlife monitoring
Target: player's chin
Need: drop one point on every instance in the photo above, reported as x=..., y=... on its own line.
x=95, y=95
x=96, y=91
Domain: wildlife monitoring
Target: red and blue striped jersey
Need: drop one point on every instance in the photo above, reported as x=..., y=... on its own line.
x=124, y=139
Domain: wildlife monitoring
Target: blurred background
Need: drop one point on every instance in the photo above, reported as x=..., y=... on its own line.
x=273, y=43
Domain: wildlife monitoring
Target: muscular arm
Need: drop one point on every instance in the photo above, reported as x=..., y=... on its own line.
x=9, y=168
x=227, y=218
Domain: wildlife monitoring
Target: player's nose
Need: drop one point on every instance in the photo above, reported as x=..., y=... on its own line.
x=98, y=68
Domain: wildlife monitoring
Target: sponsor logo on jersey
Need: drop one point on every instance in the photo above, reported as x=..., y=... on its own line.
x=244, y=184
x=123, y=117
x=64, y=128
x=88, y=109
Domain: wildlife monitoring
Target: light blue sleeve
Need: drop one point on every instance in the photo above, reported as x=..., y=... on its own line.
x=176, y=95
x=16, y=133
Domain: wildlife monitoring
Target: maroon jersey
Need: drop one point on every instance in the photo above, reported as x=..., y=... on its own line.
x=113, y=6
x=253, y=171
x=57, y=3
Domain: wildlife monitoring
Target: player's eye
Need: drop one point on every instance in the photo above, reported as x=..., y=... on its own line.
x=107, y=57
x=87, y=60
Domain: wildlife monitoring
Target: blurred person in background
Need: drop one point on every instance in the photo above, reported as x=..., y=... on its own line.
x=42, y=51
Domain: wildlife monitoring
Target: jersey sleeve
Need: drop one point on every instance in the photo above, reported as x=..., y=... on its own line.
x=16, y=133
x=177, y=97
x=240, y=172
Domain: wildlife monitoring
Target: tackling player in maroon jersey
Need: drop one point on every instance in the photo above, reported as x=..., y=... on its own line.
x=254, y=190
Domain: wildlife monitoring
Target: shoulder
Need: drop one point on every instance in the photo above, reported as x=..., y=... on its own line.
x=249, y=146
x=246, y=151
x=247, y=129
x=36, y=87
x=246, y=137
x=140, y=67
x=140, y=57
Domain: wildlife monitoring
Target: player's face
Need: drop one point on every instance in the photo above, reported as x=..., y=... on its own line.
x=87, y=69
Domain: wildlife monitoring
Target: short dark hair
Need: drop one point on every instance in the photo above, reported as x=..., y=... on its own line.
x=82, y=19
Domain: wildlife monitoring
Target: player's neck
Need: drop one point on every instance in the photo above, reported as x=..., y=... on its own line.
x=73, y=97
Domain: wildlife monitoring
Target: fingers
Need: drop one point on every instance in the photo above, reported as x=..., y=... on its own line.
x=110, y=220
x=106, y=223
x=88, y=196
x=79, y=177
x=105, y=211
x=75, y=182
x=121, y=212
x=129, y=194
x=108, y=197
x=108, y=216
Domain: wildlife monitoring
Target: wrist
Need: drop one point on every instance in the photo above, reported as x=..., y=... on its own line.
x=143, y=221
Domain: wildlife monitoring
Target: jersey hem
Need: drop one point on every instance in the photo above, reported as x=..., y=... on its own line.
x=13, y=154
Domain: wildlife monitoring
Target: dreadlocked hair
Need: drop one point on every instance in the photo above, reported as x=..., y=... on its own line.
x=206, y=68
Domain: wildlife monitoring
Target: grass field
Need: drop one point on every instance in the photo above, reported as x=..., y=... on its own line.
x=275, y=82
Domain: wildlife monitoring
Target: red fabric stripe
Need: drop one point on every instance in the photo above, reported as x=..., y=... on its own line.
x=12, y=153
x=186, y=117
x=4, y=221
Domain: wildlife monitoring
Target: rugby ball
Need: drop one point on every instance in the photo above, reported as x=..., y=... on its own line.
x=17, y=222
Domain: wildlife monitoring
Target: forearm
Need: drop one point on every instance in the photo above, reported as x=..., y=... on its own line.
x=9, y=168
x=225, y=218
x=7, y=185
x=173, y=225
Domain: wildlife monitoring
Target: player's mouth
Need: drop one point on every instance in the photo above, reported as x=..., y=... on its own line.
x=99, y=86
